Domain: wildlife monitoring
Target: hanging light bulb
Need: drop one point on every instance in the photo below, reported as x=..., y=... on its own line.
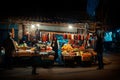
x=70, y=27
x=32, y=26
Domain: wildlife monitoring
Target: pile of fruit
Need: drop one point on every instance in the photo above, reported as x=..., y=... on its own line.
x=67, y=47
x=86, y=56
x=68, y=50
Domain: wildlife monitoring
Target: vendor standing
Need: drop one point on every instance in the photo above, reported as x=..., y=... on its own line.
x=54, y=46
x=9, y=50
x=99, y=50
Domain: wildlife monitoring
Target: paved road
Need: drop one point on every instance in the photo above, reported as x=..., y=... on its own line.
x=111, y=71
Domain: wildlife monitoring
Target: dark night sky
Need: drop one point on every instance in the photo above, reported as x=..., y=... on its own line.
x=43, y=7
x=59, y=7
x=112, y=11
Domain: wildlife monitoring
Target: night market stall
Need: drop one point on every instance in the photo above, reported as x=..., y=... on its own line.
x=35, y=38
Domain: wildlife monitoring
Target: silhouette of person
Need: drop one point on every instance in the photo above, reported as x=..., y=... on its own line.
x=99, y=50
x=10, y=48
x=34, y=59
x=54, y=46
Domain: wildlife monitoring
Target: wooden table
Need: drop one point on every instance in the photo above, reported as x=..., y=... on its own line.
x=30, y=57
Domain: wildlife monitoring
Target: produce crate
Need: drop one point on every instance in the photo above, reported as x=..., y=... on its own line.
x=68, y=60
x=47, y=57
x=77, y=60
x=68, y=57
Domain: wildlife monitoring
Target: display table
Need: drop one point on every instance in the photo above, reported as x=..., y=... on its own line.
x=30, y=53
x=28, y=57
x=85, y=58
x=21, y=53
x=48, y=55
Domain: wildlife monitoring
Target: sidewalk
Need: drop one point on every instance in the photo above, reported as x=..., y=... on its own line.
x=112, y=64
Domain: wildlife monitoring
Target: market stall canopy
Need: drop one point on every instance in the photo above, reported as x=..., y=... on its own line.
x=49, y=19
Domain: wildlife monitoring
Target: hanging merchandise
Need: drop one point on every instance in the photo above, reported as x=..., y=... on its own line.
x=79, y=37
x=47, y=37
x=82, y=37
x=76, y=37
x=28, y=34
x=72, y=42
x=37, y=34
x=65, y=36
x=44, y=37
x=40, y=34
x=72, y=36
x=51, y=36
x=13, y=33
x=88, y=36
x=68, y=36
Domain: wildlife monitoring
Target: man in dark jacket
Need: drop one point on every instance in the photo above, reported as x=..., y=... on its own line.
x=9, y=50
x=99, y=50
x=54, y=46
